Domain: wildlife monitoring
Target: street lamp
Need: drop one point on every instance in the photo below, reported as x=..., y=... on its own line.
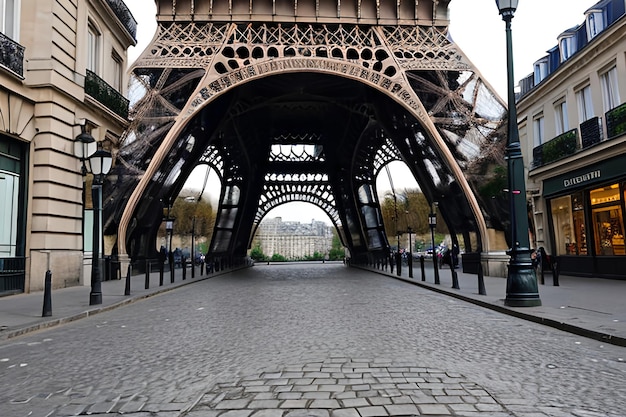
x=521, y=285
x=432, y=222
x=410, y=255
x=100, y=161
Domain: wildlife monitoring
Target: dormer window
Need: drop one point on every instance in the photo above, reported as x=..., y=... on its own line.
x=595, y=22
x=541, y=70
x=567, y=45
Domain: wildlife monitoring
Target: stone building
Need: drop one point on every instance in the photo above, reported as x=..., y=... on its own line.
x=294, y=240
x=572, y=121
x=62, y=72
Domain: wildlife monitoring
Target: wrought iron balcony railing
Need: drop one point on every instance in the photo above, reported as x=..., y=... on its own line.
x=591, y=132
x=125, y=16
x=11, y=55
x=557, y=148
x=97, y=88
x=616, y=121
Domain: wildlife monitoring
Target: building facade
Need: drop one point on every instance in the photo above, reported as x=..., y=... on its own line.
x=294, y=240
x=62, y=72
x=572, y=122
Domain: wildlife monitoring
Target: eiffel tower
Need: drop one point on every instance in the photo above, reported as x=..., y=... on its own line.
x=308, y=100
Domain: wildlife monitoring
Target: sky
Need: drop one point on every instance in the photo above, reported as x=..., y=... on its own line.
x=475, y=26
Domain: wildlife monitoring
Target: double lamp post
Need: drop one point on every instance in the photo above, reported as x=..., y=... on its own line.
x=99, y=161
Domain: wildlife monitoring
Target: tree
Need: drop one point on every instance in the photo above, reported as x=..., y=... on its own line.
x=257, y=253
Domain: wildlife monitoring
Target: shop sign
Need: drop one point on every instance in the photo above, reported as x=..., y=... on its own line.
x=607, y=170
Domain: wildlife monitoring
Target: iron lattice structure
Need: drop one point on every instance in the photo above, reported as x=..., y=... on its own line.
x=305, y=106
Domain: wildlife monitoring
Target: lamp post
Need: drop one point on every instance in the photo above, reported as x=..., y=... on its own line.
x=100, y=162
x=521, y=285
x=410, y=255
x=432, y=222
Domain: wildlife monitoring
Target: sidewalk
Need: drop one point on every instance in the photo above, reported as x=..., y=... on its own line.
x=590, y=307
x=22, y=313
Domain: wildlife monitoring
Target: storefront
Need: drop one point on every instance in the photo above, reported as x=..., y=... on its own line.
x=586, y=219
x=12, y=215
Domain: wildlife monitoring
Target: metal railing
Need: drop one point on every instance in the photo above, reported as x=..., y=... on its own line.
x=616, y=121
x=11, y=55
x=125, y=16
x=12, y=275
x=591, y=132
x=561, y=146
x=100, y=90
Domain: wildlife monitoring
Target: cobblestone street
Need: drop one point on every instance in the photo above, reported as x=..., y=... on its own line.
x=301, y=340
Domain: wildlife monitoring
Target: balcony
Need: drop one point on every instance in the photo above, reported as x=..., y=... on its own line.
x=616, y=121
x=11, y=55
x=125, y=16
x=108, y=96
x=555, y=149
x=591, y=132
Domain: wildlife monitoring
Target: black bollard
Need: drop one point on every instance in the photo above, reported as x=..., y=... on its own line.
x=410, y=265
x=147, y=283
x=161, y=268
x=193, y=268
x=202, y=268
x=47, y=295
x=481, y=280
x=455, y=277
x=555, y=273
x=184, y=264
x=171, y=268
x=127, y=286
x=422, y=267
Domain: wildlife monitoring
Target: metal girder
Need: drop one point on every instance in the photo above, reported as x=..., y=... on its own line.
x=305, y=112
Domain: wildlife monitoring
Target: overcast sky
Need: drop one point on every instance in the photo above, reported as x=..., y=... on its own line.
x=475, y=26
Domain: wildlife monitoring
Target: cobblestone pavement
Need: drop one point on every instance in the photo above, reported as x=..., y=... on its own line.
x=308, y=340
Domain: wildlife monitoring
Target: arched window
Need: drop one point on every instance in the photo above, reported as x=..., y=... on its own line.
x=541, y=70
x=567, y=45
x=595, y=23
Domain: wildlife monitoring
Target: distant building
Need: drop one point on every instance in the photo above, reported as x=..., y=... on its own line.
x=572, y=122
x=294, y=240
x=62, y=70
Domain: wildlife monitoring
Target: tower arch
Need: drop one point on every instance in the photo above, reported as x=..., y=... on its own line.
x=393, y=91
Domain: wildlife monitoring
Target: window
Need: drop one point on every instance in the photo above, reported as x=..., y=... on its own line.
x=567, y=45
x=569, y=227
x=595, y=23
x=608, y=223
x=117, y=71
x=538, y=129
x=541, y=70
x=585, y=105
x=9, y=18
x=93, y=48
x=560, y=117
x=610, y=89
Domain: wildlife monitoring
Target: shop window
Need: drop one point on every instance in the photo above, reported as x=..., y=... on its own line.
x=608, y=222
x=562, y=224
x=578, y=246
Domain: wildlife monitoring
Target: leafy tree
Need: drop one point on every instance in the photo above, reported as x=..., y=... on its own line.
x=257, y=253
x=337, y=250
